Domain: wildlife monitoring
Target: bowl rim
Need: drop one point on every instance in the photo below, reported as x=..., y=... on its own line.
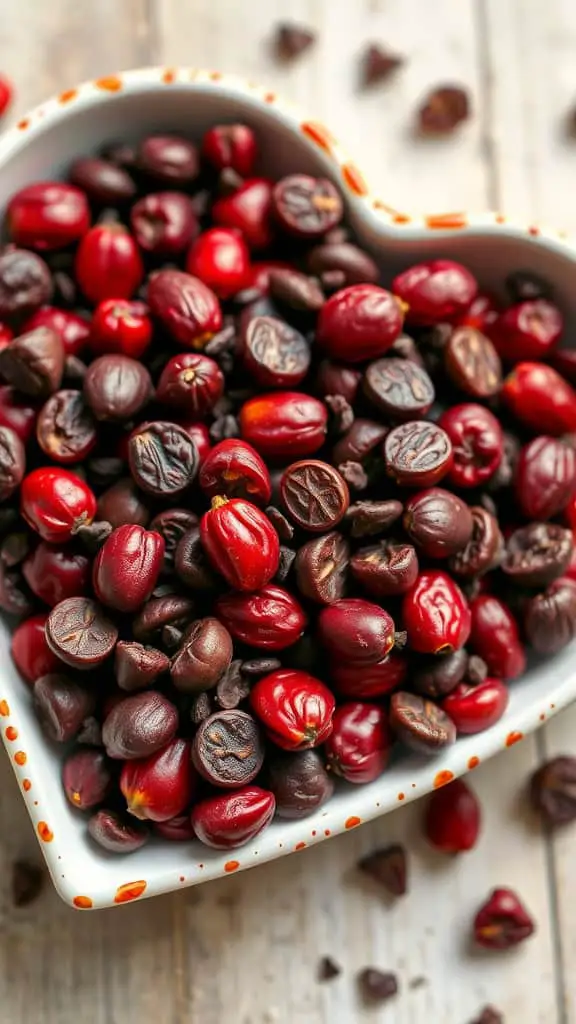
x=379, y=217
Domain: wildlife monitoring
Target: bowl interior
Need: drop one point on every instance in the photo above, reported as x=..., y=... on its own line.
x=78, y=868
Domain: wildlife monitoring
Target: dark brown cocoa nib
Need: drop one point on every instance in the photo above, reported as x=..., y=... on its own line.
x=443, y=109
x=232, y=687
x=200, y=708
x=228, y=749
x=34, y=362
x=61, y=706
x=369, y=518
x=204, y=655
x=420, y=724
x=388, y=867
x=295, y=290
x=489, y=1015
x=292, y=40
x=377, y=986
x=25, y=282
x=27, y=883
x=136, y=666
x=321, y=567
x=117, y=388
x=328, y=969
x=553, y=790
x=550, y=618
x=437, y=675
x=299, y=782
x=379, y=64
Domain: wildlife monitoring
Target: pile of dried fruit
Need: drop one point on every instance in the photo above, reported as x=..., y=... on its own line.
x=256, y=532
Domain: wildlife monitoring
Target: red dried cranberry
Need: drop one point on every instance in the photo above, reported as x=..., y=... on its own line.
x=482, y=314
x=30, y=651
x=175, y=830
x=545, y=477
x=240, y=542
x=48, y=215
x=55, y=501
x=127, y=567
x=435, y=291
x=494, y=636
x=436, y=614
x=452, y=818
x=121, y=326
x=295, y=708
x=185, y=306
x=477, y=443
x=73, y=329
x=285, y=424
x=108, y=264
x=233, y=819
x=359, y=745
x=249, y=209
x=475, y=708
x=527, y=331
x=230, y=145
x=541, y=399
x=270, y=619
x=359, y=323
x=54, y=573
x=191, y=383
x=365, y=682
x=219, y=257
x=164, y=223
x=502, y=921
x=159, y=787
x=356, y=632
x=236, y=470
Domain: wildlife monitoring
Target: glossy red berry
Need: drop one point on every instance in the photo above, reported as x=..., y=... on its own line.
x=359, y=323
x=17, y=413
x=529, y=330
x=164, y=223
x=477, y=443
x=249, y=209
x=436, y=614
x=122, y=326
x=230, y=145
x=270, y=619
x=6, y=94
x=482, y=314
x=541, y=399
x=55, y=501
x=295, y=708
x=435, y=291
x=502, y=921
x=160, y=787
x=365, y=682
x=232, y=819
x=475, y=708
x=30, y=651
x=235, y=469
x=48, y=215
x=452, y=818
x=127, y=567
x=284, y=424
x=220, y=258
x=240, y=542
x=545, y=478
x=356, y=632
x=55, y=572
x=191, y=383
x=359, y=745
x=495, y=637
x=108, y=264
x=73, y=329
x=185, y=307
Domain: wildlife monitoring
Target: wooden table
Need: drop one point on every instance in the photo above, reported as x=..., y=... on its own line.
x=245, y=950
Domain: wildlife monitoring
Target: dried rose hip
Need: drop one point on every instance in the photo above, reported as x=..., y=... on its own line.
x=269, y=619
x=356, y=631
x=139, y=725
x=203, y=657
x=472, y=363
x=185, y=306
x=359, y=745
x=274, y=353
x=399, y=388
x=230, y=145
x=545, y=478
x=192, y=383
x=233, y=819
x=86, y=778
x=484, y=550
x=74, y=330
x=502, y=921
x=65, y=428
x=550, y=618
x=295, y=708
x=164, y=223
x=240, y=542
x=359, y=323
x=314, y=495
x=54, y=502
x=529, y=330
x=228, y=749
x=418, y=454
x=61, y=706
x=540, y=398
x=435, y=291
x=78, y=632
x=553, y=792
x=436, y=614
x=220, y=258
x=30, y=651
x=235, y=469
x=475, y=708
x=420, y=724
x=477, y=443
x=438, y=522
x=119, y=326
x=163, y=458
x=306, y=207
x=127, y=567
x=47, y=215
x=54, y=573
x=284, y=425
x=115, y=833
x=108, y=264
x=299, y=782
x=249, y=209
x=537, y=554
x=452, y=818
x=159, y=787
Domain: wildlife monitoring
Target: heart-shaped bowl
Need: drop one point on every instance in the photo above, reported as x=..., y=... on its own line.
x=129, y=106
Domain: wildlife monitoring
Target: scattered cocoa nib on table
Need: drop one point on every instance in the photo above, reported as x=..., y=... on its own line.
x=443, y=109
x=553, y=791
x=292, y=40
x=388, y=867
x=328, y=969
x=379, y=64
x=377, y=986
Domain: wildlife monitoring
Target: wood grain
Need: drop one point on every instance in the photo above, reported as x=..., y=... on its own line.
x=245, y=950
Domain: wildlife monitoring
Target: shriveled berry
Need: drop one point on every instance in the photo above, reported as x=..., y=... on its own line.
x=545, y=478
x=120, y=326
x=55, y=501
x=203, y=656
x=356, y=631
x=235, y=469
x=540, y=398
x=55, y=572
x=529, y=330
x=502, y=921
x=192, y=383
x=435, y=291
x=127, y=567
x=359, y=745
x=240, y=542
x=284, y=425
x=233, y=819
x=230, y=145
x=436, y=614
x=420, y=724
x=295, y=708
x=116, y=833
x=359, y=323
x=269, y=619
x=164, y=223
x=61, y=706
x=185, y=306
x=475, y=708
x=139, y=725
x=108, y=264
x=299, y=782
x=48, y=215
x=477, y=443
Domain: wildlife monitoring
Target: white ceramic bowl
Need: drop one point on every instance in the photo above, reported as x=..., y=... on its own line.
x=129, y=106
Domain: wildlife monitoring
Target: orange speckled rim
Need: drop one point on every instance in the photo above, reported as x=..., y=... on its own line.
x=458, y=759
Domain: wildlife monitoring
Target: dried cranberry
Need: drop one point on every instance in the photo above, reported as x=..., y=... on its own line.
x=102, y=181
x=127, y=567
x=452, y=818
x=159, y=787
x=477, y=443
x=185, y=306
x=219, y=257
x=366, y=682
x=56, y=572
x=502, y=921
x=528, y=330
x=54, y=502
x=240, y=543
x=191, y=383
x=436, y=614
x=86, y=778
x=249, y=209
x=306, y=207
x=232, y=819
x=435, y=291
x=356, y=631
x=545, y=479
x=120, y=326
x=335, y=379
x=17, y=413
x=164, y=223
x=74, y=330
x=169, y=159
x=236, y=470
x=108, y=264
x=295, y=708
x=115, y=833
x=284, y=425
x=48, y=215
x=270, y=619
x=230, y=145
x=475, y=708
x=30, y=651
x=359, y=323
x=359, y=745
x=438, y=522
x=541, y=399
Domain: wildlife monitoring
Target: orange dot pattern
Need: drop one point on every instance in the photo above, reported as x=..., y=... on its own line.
x=514, y=737
x=231, y=865
x=83, y=902
x=443, y=778
x=169, y=76
x=110, y=83
x=11, y=733
x=352, y=822
x=300, y=846
x=354, y=179
x=439, y=221
x=4, y=708
x=20, y=757
x=129, y=891
x=45, y=832
x=319, y=134
x=473, y=762
x=401, y=796
x=68, y=95
x=26, y=785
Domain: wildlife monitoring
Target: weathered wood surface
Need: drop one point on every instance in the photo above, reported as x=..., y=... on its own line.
x=245, y=950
